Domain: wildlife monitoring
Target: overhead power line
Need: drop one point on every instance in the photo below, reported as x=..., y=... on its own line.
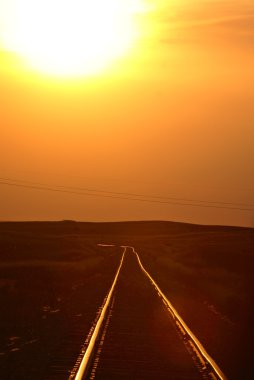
x=130, y=194
x=130, y=198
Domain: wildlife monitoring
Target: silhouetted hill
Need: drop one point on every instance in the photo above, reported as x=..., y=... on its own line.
x=118, y=228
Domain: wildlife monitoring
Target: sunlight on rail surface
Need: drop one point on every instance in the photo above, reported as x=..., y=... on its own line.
x=105, y=245
x=173, y=311
x=87, y=356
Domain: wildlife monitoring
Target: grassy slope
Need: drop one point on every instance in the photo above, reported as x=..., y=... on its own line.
x=208, y=276
x=52, y=282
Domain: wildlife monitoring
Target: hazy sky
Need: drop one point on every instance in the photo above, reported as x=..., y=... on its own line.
x=173, y=118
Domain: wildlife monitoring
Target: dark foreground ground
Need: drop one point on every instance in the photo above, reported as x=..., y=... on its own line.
x=54, y=277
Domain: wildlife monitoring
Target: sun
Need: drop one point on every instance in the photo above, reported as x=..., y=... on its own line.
x=71, y=37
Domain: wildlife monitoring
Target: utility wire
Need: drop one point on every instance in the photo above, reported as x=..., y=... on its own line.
x=119, y=197
x=160, y=197
x=131, y=194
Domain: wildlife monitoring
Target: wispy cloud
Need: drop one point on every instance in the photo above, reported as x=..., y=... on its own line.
x=207, y=21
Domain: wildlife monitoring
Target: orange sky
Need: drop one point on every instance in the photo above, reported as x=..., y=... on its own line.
x=174, y=118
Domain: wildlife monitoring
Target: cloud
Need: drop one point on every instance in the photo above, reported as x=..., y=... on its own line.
x=208, y=22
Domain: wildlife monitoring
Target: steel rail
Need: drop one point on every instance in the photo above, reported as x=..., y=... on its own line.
x=200, y=347
x=89, y=351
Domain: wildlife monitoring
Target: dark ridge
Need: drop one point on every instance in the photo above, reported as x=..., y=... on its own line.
x=116, y=228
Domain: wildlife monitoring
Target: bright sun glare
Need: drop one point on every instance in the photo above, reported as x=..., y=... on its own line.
x=71, y=37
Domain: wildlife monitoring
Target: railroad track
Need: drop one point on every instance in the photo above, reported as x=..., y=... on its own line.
x=83, y=363
x=115, y=324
